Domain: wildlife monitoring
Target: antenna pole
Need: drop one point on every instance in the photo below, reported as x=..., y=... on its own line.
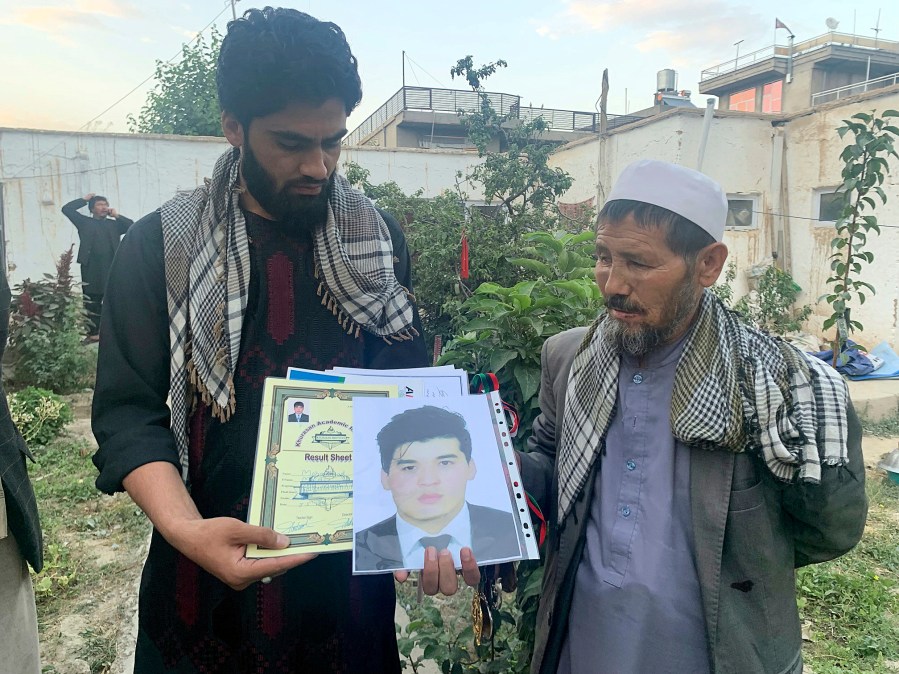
x=737, y=58
x=876, y=30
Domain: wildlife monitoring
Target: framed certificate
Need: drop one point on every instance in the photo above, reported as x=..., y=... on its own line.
x=303, y=471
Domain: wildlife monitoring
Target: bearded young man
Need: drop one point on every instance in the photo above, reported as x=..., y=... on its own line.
x=275, y=262
x=687, y=462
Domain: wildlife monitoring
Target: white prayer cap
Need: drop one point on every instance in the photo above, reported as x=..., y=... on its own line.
x=684, y=191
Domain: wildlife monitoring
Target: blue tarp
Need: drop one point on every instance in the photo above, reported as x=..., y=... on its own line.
x=852, y=362
x=890, y=367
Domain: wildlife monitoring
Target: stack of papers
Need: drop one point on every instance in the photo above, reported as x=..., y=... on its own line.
x=445, y=381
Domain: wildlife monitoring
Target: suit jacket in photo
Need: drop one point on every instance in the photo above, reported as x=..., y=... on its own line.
x=293, y=418
x=493, y=537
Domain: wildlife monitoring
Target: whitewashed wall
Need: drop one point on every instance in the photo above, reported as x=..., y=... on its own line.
x=42, y=170
x=744, y=153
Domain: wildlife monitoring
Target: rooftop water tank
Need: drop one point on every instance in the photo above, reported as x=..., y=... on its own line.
x=666, y=80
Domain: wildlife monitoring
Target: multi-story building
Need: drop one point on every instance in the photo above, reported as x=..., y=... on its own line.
x=784, y=79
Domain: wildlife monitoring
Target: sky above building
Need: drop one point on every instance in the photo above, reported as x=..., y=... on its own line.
x=70, y=64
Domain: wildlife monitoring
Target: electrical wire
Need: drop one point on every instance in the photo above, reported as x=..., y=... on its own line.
x=802, y=217
x=411, y=60
x=122, y=98
x=70, y=173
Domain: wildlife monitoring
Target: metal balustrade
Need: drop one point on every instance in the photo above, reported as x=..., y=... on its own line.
x=852, y=89
x=454, y=100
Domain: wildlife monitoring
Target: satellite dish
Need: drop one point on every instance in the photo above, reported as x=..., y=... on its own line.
x=832, y=23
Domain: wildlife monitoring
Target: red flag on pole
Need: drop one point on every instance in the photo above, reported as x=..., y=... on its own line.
x=780, y=24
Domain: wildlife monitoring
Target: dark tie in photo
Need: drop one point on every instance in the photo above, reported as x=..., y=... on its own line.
x=440, y=542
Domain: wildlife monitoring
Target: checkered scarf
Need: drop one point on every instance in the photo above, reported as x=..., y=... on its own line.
x=207, y=267
x=735, y=389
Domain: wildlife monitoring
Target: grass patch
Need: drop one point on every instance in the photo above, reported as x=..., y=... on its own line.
x=885, y=428
x=86, y=537
x=851, y=605
x=99, y=650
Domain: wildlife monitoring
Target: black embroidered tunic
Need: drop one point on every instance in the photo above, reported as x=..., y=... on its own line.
x=317, y=617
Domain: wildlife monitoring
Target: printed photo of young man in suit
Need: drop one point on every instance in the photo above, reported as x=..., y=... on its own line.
x=426, y=465
x=299, y=413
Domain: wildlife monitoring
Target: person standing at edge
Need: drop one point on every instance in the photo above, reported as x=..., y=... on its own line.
x=687, y=463
x=99, y=235
x=20, y=534
x=275, y=262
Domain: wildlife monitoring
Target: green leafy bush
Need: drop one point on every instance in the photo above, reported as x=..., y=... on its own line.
x=39, y=414
x=502, y=329
x=434, y=230
x=47, y=320
x=865, y=168
x=771, y=305
x=530, y=277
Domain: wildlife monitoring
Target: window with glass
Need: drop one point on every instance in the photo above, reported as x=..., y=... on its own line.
x=771, y=96
x=740, y=212
x=830, y=205
x=743, y=101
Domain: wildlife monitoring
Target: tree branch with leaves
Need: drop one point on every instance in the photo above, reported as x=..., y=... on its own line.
x=865, y=167
x=184, y=100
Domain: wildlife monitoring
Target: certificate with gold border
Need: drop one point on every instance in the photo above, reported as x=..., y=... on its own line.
x=303, y=470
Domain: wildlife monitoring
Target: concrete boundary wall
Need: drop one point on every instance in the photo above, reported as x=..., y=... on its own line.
x=40, y=171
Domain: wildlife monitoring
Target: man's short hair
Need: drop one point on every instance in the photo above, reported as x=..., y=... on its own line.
x=93, y=200
x=298, y=404
x=684, y=237
x=273, y=57
x=418, y=425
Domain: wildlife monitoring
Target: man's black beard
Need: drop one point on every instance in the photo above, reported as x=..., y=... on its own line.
x=644, y=339
x=282, y=204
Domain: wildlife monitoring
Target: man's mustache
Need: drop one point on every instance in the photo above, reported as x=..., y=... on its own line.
x=623, y=304
x=307, y=182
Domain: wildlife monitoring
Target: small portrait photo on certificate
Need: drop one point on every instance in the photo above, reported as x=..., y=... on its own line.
x=299, y=411
x=429, y=475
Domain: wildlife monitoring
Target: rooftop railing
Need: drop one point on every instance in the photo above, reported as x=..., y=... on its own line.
x=453, y=100
x=771, y=51
x=804, y=47
x=852, y=89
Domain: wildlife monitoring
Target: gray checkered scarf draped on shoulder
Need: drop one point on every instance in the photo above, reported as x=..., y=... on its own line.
x=207, y=268
x=735, y=389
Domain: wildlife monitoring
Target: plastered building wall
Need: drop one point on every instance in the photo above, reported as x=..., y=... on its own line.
x=40, y=171
x=782, y=164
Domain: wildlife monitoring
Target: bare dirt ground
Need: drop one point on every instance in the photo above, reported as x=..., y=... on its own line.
x=88, y=629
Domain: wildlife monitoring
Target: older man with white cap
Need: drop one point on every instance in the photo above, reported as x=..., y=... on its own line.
x=686, y=463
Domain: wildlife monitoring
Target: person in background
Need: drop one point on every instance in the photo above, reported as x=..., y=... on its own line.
x=99, y=235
